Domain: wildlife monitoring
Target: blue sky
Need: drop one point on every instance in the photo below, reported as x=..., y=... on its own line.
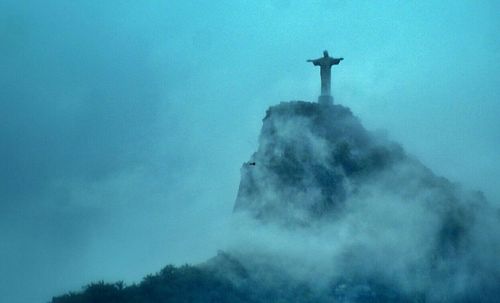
x=124, y=124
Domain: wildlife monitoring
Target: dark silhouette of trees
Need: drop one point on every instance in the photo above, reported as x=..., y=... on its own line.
x=171, y=284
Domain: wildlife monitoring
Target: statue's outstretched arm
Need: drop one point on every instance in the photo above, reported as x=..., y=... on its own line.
x=336, y=61
x=315, y=61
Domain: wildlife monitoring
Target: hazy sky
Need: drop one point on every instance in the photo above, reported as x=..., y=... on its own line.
x=123, y=124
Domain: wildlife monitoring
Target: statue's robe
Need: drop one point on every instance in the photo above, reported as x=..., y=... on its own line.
x=325, y=64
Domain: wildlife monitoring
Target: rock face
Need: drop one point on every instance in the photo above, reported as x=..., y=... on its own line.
x=312, y=156
x=306, y=152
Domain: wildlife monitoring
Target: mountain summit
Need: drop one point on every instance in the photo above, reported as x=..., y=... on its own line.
x=328, y=211
x=388, y=218
x=311, y=156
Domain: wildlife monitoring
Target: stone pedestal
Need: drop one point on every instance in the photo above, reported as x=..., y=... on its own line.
x=325, y=100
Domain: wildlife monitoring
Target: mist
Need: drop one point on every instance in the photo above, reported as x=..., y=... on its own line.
x=124, y=125
x=327, y=201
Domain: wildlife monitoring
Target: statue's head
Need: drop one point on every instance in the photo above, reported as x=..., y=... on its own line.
x=325, y=53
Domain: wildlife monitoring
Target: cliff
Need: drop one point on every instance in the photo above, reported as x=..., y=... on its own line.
x=328, y=211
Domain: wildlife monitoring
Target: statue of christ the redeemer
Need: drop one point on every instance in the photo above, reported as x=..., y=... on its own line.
x=325, y=63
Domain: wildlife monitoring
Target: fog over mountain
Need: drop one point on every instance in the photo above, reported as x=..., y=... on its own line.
x=329, y=212
x=345, y=203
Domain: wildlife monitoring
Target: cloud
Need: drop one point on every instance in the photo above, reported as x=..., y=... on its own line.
x=380, y=215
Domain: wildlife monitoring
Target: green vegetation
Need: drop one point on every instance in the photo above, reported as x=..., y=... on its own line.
x=210, y=283
x=171, y=284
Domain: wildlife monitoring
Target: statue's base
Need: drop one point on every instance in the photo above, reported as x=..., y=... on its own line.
x=325, y=100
